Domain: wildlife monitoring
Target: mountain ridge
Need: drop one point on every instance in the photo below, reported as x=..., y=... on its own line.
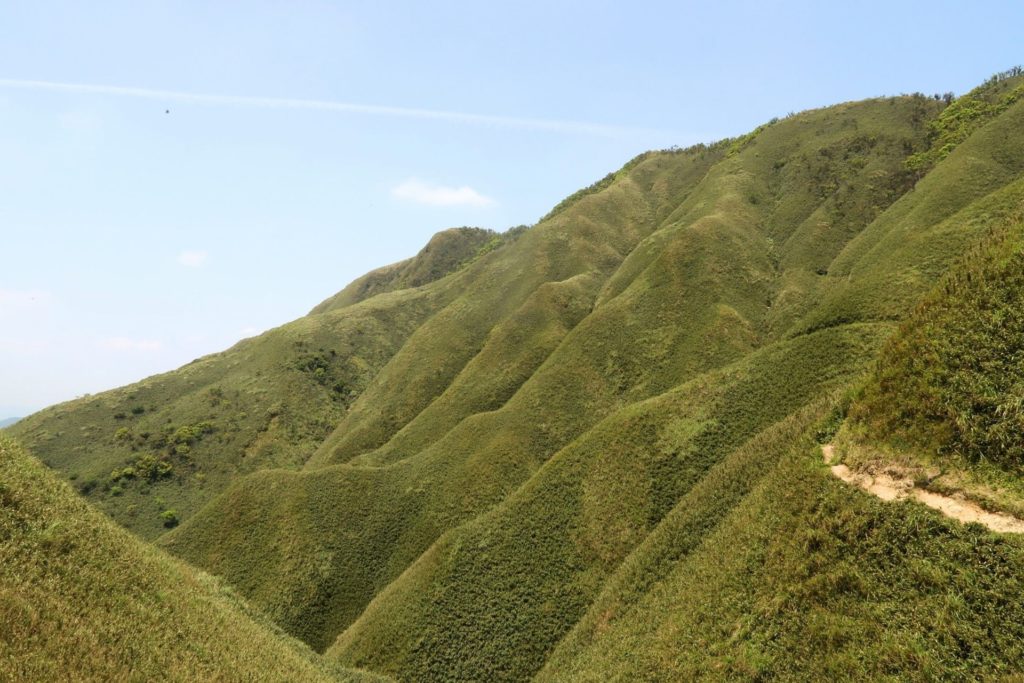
x=492, y=460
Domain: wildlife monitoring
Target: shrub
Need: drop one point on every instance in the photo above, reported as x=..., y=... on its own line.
x=189, y=434
x=170, y=518
x=958, y=120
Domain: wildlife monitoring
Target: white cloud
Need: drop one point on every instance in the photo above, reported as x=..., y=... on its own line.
x=192, y=259
x=164, y=96
x=414, y=190
x=129, y=344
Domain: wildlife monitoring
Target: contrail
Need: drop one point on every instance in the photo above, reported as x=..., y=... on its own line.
x=579, y=127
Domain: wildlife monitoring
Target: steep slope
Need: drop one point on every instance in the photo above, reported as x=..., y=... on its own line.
x=81, y=598
x=893, y=263
x=715, y=265
x=445, y=253
x=805, y=579
x=582, y=451
x=507, y=646
x=587, y=241
x=693, y=296
x=942, y=408
x=950, y=381
x=173, y=441
x=491, y=598
x=367, y=524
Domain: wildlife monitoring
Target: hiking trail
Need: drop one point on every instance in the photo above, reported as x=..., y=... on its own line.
x=889, y=488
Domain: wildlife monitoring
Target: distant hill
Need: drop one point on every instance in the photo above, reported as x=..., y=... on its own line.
x=590, y=449
x=8, y=421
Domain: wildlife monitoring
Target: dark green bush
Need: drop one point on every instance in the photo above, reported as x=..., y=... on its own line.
x=170, y=518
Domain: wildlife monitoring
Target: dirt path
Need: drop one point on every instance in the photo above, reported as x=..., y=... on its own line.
x=888, y=487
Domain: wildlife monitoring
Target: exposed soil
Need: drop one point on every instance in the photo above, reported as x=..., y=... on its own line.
x=890, y=486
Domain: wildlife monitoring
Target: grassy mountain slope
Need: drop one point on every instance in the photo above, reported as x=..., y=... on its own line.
x=893, y=263
x=808, y=578
x=446, y=252
x=82, y=598
x=181, y=437
x=586, y=450
x=698, y=297
x=409, y=613
x=466, y=609
x=370, y=523
x=710, y=238
x=591, y=236
x=805, y=579
x=184, y=435
x=950, y=382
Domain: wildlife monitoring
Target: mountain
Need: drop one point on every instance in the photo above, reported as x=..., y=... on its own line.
x=8, y=421
x=591, y=449
x=446, y=252
x=82, y=598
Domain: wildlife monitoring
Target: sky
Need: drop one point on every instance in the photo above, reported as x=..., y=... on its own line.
x=178, y=175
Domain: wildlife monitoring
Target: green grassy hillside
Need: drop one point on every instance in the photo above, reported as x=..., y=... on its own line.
x=445, y=253
x=699, y=292
x=173, y=441
x=586, y=450
x=950, y=381
x=82, y=599
x=492, y=597
x=805, y=579
x=887, y=268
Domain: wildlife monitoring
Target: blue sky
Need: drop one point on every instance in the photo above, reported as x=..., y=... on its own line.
x=135, y=240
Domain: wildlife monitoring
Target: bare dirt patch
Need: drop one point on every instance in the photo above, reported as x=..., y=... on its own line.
x=892, y=484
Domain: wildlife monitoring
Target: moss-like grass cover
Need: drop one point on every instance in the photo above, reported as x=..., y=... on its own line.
x=586, y=450
x=82, y=599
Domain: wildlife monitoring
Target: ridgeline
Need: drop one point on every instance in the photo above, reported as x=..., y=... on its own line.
x=590, y=449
